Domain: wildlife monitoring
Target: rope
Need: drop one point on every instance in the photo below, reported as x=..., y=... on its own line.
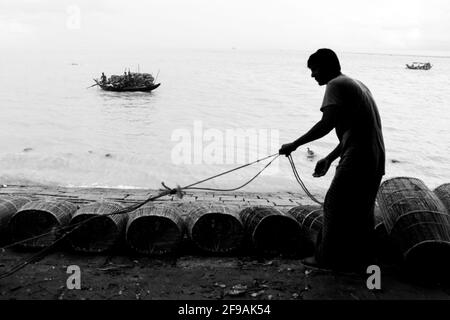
x=300, y=182
x=166, y=191
x=229, y=171
x=163, y=192
x=237, y=188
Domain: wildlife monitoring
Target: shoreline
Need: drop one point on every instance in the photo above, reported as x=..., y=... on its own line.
x=132, y=196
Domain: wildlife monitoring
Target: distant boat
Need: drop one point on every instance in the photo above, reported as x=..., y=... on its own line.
x=419, y=66
x=129, y=82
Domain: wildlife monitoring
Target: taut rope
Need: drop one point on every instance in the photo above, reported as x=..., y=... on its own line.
x=67, y=230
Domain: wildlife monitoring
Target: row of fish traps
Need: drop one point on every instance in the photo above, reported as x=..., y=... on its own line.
x=156, y=228
x=413, y=225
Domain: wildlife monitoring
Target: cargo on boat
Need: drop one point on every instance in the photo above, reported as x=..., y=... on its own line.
x=128, y=82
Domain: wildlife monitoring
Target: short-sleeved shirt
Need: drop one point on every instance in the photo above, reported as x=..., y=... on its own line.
x=358, y=124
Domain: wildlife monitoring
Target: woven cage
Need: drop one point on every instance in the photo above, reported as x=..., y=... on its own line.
x=271, y=231
x=443, y=193
x=8, y=207
x=381, y=233
x=386, y=250
x=379, y=222
x=215, y=228
x=154, y=229
x=101, y=231
x=416, y=221
x=40, y=217
x=310, y=219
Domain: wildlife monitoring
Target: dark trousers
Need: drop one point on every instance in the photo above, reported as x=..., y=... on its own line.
x=347, y=236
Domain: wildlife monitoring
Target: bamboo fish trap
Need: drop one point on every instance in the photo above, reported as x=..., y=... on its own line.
x=443, y=193
x=154, y=230
x=8, y=207
x=102, y=232
x=215, y=229
x=310, y=219
x=271, y=231
x=39, y=217
x=417, y=222
x=386, y=250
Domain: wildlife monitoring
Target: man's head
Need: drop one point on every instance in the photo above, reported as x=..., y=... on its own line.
x=324, y=65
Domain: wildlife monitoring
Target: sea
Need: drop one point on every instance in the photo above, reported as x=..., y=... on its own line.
x=215, y=110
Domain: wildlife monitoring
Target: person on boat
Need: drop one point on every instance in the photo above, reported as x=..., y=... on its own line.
x=346, y=239
x=103, y=78
x=125, y=79
x=131, y=80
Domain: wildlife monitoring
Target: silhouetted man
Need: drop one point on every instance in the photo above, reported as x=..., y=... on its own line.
x=345, y=241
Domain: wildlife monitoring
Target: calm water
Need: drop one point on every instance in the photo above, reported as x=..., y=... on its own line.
x=55, y=131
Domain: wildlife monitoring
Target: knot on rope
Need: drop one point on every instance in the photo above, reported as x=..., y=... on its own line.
x=177, y=191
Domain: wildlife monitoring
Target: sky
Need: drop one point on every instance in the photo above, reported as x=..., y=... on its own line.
x=381, y=26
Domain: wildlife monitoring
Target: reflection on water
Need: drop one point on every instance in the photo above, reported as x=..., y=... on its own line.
x=130, y=96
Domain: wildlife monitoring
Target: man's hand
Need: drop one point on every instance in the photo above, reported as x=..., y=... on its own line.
x=287, y=148
x=322, y=167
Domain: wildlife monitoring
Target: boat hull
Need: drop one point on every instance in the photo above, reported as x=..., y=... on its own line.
x=130, y=89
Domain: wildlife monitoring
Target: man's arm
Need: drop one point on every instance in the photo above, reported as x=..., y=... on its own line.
x=319, y=130
x=324, y=164
x=334, y=154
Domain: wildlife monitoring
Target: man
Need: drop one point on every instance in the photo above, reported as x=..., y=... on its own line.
x=345, y=242
x=103, y=78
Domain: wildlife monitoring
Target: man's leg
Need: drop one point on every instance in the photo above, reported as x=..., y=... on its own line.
x=346, y=239
x=327, y=246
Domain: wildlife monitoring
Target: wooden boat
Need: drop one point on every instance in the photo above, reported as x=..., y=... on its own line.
x=110, y=87
x=419, y=66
